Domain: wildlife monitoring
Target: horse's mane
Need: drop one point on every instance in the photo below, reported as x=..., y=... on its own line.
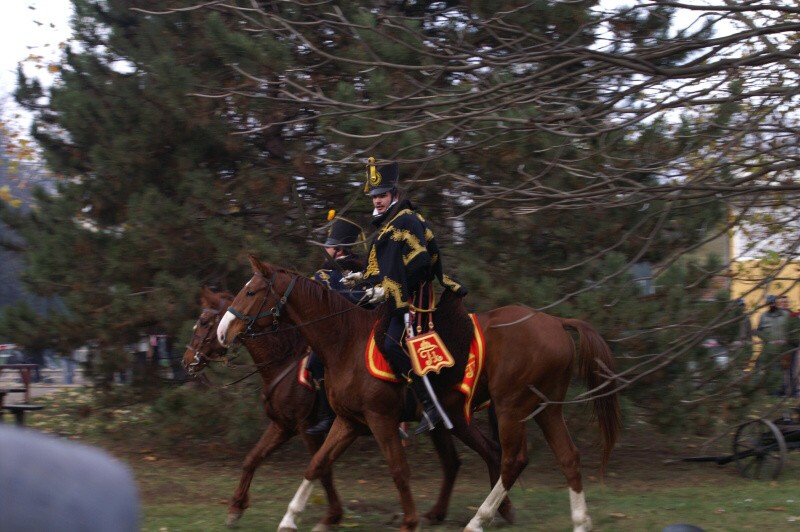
x=343, y=314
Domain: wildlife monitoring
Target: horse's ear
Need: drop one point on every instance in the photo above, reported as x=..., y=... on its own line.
x=256, y=264
x=207, y=297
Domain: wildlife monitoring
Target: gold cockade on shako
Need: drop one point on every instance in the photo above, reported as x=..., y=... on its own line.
x=373, y=175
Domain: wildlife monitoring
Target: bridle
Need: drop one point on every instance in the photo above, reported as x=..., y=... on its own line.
x=201, y=360
x=275, y=311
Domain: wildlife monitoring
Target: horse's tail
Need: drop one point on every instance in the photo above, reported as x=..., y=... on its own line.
x=596, y=366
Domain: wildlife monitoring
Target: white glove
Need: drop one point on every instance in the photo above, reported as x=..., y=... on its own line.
x=352, y=279
x=375, y=294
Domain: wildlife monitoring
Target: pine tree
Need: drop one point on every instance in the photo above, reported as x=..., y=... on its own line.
x=190, y=139
x=158, y=195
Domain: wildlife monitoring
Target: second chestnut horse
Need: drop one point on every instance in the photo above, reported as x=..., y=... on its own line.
x=288, y=404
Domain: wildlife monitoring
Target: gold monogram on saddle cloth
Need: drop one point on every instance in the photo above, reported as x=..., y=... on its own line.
x=428, y=353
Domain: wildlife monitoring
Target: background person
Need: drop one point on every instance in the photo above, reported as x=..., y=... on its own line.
x=744, y=333
x=772, y=330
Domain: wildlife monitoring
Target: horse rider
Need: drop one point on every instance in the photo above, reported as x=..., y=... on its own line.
x=402, y=260
x=343, y=236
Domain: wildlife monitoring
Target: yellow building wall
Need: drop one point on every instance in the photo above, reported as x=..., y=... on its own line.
x=749, y=281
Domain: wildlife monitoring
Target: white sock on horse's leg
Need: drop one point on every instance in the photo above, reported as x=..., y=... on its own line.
x=297, y=505
x=488, y=508
x=581, y=521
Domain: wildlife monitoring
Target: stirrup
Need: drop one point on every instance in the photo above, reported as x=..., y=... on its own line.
x=322, y=426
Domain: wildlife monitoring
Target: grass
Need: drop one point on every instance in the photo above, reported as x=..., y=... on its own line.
x=186, y=487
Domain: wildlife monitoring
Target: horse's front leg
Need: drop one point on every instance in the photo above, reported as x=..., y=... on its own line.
x=273, y=437
x=341, y=435
x=384, y=429
x=335, y=512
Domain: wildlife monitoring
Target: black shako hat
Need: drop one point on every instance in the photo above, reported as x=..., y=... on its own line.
x=343, y=233
x=381, y=179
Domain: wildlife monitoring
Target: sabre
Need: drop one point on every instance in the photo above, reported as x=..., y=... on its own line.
x=447, y=423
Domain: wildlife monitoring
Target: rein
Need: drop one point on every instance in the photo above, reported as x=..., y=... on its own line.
x=256, y=369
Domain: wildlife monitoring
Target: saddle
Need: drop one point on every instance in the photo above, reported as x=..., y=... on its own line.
x=464, y=339
x=455, y=328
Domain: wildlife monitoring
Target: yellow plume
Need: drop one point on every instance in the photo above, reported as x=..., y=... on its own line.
x=331, y=214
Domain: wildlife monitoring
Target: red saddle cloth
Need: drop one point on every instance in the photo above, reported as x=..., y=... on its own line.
x=303, y=375
x=379, y=368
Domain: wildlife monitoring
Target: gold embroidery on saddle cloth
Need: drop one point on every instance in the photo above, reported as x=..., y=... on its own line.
x=379, y=368
x=428, y=353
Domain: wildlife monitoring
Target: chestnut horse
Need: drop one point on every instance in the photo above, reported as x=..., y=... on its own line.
x=529, y=364
x=287, y=403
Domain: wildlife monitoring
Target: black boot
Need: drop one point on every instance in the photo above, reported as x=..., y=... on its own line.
x=324, y=413
x=430, y=415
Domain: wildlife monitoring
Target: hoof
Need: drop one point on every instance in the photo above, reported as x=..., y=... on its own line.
x=469, y=529
x=286, y=529
x=321, y=527
x=233, y=518
x=586, y=526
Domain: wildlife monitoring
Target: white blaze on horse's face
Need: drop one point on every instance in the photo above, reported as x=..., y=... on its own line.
x=222, y=328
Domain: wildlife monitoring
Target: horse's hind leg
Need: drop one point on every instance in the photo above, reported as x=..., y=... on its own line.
x=555, y=432
x=448, y=458
x=489, y=450
x=513, y=441
x=335, y=513
x=273, y=437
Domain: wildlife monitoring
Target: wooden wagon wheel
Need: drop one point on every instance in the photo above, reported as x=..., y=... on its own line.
x=759, y=450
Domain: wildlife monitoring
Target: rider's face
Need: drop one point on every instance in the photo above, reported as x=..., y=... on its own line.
x=381, y=202
x=334, y=252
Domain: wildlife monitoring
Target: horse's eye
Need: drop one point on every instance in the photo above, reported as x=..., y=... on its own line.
x=250, y=293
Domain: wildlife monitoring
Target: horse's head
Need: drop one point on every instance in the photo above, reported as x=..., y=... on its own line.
x=259, y=304
x=203, y=346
